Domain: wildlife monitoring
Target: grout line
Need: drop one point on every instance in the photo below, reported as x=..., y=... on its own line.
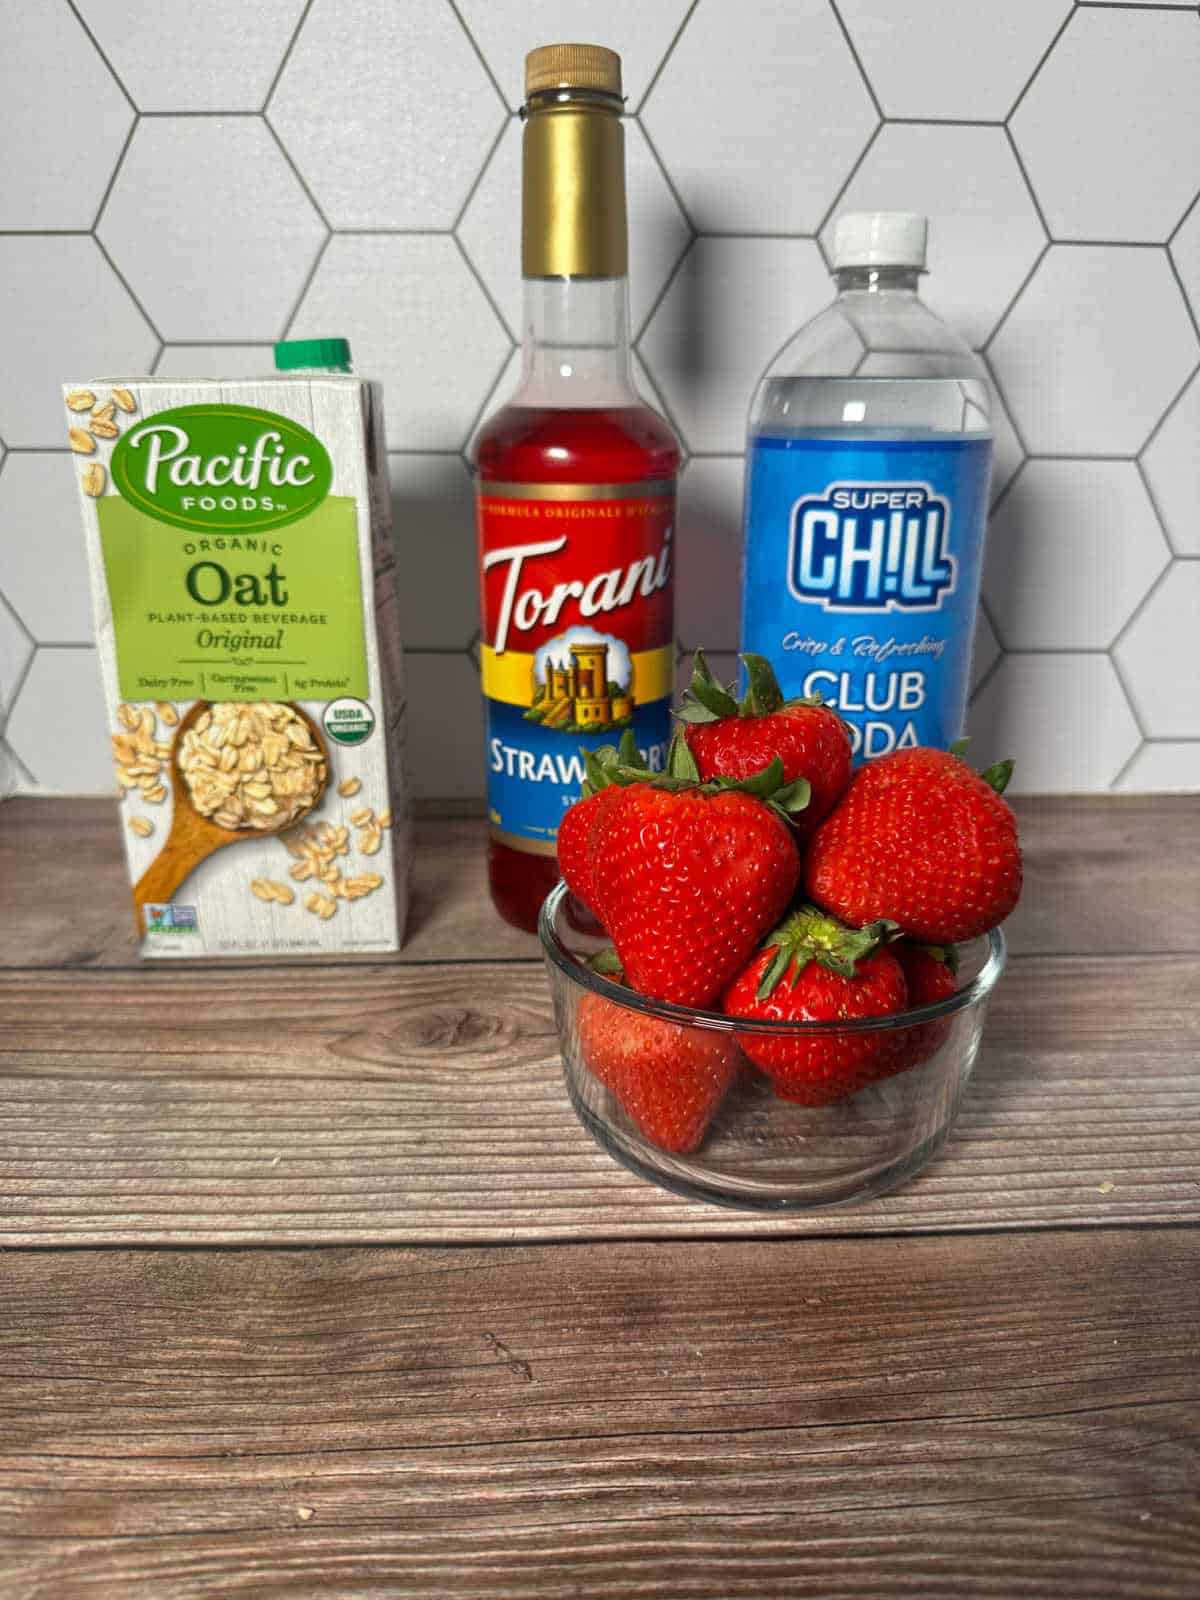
x=1192, y=311
x=656, y=303
x=180, y=116
x=985, y=348
x=1158, y=510
x=488, y=296
x=1027, y=180
x=116, y=172
x=305, y=286
x=1137, y=611
x=295, y=171
x=1126, y=766
x=286, y=56
x=124, y=282
x=23, y=770
x=840, y=195
x=667, y=54
x=1041, y=62
x=95, y=43
x=479, y=176
x=483, y=410
x=1134, y=710
x=857, y=59
x=667, y=178
x=483, y=60
x=987, y=677
x=1182, y=223
x=947, y=122
x=23, y=676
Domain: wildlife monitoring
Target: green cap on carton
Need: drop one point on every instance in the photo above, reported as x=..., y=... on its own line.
x=292, y=354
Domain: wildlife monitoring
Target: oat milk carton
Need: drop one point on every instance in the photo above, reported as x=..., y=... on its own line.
x=243, y=579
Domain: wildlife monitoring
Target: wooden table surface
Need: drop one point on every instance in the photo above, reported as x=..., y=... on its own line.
x=312, y=1285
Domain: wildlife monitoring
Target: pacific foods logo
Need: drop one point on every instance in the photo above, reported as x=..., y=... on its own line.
x=222, y=467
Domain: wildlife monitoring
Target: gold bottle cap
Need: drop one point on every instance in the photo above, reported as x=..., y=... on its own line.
x=572, y=66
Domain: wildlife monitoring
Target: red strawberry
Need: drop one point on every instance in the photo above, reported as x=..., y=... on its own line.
x=922, y=840
x=929, y=974
x=669, y=1078
x=734, y=741
x=574, y=835
x=688, y=877
x=599, y=789
x=833, y=974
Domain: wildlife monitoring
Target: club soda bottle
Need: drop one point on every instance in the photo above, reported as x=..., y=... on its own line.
x=868, y=460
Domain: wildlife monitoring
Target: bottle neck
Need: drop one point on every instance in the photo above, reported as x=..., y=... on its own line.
x=877, y=280
x=574, y=252
x=575, y=343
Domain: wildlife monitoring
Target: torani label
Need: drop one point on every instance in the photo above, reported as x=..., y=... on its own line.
x=578, y=639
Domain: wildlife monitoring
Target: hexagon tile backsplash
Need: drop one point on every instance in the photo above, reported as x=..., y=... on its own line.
x=185, y=185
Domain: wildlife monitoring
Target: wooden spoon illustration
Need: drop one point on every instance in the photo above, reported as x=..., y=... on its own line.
x=193, y=836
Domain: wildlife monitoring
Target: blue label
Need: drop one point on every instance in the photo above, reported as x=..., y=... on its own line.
x=861, y=577
x=534, y=773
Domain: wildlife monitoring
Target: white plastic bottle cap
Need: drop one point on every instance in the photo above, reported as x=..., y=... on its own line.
x=880, y=239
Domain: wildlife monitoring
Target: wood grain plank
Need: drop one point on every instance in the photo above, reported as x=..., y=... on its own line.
x=1105, y=874
x=425, y=1104
x=62, y=868
x=933, y=1417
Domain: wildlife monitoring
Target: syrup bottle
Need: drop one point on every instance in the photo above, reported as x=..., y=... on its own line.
x=575, y=480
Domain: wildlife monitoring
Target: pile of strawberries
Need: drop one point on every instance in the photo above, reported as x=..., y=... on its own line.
x=759, y=877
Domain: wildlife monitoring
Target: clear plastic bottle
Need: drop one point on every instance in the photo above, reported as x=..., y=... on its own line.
x=868, y=460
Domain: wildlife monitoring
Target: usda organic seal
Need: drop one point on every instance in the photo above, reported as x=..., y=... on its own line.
x=348, y=721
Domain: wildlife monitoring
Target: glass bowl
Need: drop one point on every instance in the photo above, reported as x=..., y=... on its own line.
x=761, y=1151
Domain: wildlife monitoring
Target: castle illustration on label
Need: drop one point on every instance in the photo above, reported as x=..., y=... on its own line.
x=581, y=698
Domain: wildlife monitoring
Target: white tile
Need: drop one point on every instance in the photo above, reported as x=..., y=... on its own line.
x=1094, y=350
x=59, y=725
x=730, y=308
x=49, y=70
x=445, y=759
x=1070, y=553
x=1173, y=766
x=985, y=649
x=43, y=569
x=708, y=554
x=1158, y=656
x=211, y=228
x=1109, y=130
x=506, y=30
x=417, y=320
x=65, y=315
x=387, y=112
x=220, y=55
x=216, y=361
x=969, y=60
x=1007, y=453
x=759, y=115
x=1063, y=718
x=1171, y=463
x=491, y=227
x=984, y=233
x=1163, y=767
x=433, y=512
x=16, y=647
